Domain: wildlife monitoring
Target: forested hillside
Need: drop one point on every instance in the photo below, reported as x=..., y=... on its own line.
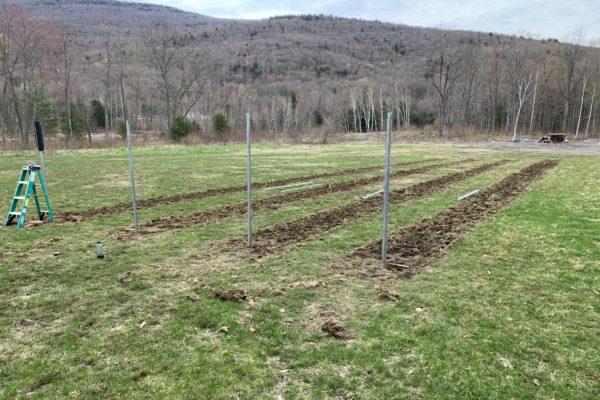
x=86, y=65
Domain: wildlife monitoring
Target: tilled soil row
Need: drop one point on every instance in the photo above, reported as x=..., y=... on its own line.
x=274, y=238
x=178, y=198
x=231, y=210
x=411, y=248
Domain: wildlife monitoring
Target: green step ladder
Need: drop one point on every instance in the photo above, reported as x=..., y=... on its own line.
x=27, y=180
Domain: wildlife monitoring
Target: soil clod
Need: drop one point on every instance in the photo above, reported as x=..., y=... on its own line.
x=336, y=330
x=193, y=297
x=237, y=295
x=308, y=285
x=126, y=279
x=387, y=294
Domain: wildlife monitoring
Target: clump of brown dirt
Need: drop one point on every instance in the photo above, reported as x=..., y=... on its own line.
x=308, y=285
x=127, y=278
x=387, y=294
x=336, y=330
x=47, y=242
x=193, y=297
x=237, y=295
x=410, y=249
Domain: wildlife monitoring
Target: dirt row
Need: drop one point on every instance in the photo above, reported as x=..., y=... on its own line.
x=411, y=248
x=178, y=198
x=274, y=238
x=231, y=210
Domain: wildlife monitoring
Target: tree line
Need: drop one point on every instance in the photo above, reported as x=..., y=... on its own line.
x=171, y=81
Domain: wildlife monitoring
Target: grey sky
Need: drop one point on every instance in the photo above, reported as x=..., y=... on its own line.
x=538, y=18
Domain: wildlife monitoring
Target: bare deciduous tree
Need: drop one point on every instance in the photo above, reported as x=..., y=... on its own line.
x=26, y=43
x=524, y=91
x=585, y=79
x=67, y=64
x=181, y=69
x=444, y=73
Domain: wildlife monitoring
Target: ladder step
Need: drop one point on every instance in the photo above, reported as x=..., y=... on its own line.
x=20, y=197
x=23, y=182
x=14, y=213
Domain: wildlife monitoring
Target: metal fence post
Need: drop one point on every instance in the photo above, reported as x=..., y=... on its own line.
x=132, y=179
x=386, y=189
x=249, y=167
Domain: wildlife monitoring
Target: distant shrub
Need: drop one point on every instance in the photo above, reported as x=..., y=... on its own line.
x=122, y=129
x=98, y=114
x=78, y=119
x=318, y=118
x=220, y=124
x=421, y=118
x=182, y=126
x=50, y=115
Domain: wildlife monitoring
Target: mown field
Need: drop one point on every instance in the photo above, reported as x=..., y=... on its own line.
x=494, y=297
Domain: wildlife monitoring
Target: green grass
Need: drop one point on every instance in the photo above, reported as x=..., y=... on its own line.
x=515, y=301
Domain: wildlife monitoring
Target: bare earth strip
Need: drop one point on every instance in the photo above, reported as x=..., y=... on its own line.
x=231, y=210
x=275, y=238
x=178, y=198
x=411, y=248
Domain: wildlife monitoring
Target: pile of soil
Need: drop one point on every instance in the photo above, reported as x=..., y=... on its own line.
x=336, y=330
x=237, y=295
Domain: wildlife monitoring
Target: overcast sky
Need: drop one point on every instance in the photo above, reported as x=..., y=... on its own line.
x=537, y=18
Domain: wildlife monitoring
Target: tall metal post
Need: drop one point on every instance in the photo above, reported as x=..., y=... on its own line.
x=43, y=165
x=249, y=167
x=132, y=179
x=386, y=189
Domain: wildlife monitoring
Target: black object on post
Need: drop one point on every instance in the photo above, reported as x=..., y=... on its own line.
x=39, y=136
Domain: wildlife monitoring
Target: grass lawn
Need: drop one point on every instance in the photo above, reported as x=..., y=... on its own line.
x=511, y=311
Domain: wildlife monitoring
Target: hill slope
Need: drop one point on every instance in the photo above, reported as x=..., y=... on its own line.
x=298, y=72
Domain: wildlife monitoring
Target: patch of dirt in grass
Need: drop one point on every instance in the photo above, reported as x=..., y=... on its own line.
x=231, y=210
x=387, y=294
x=178, y=198
x=308, y=285
x=410, y=249
x=336, y=330
x=127, y=278
x=272, y=239
x=47, y=242
x=193, y=297
x=316, y=316
x=236, y=295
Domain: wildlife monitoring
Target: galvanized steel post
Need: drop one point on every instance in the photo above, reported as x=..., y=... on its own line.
x=386, y=189
x=249, y=163
x=132, y=179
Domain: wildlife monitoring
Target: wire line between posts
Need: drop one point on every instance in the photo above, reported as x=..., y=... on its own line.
x=249, y=167
x=386, y=189
x=132, y=179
